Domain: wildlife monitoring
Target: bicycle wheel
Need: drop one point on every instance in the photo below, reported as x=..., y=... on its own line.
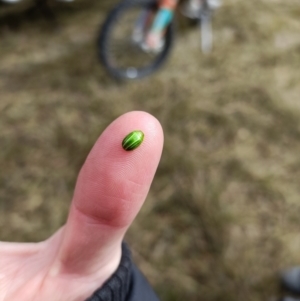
x=120, y=42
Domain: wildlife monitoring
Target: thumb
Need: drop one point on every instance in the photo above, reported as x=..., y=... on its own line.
x=110, y=190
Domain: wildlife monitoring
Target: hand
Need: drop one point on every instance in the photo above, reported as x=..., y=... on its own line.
x=110, y=190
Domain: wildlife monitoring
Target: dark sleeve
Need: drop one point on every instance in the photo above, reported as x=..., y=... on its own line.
x=126, y=284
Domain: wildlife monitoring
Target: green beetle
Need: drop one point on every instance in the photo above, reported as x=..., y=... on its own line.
x=133, y=140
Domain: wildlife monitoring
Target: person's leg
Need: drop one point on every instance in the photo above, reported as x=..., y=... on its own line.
x=161, y=20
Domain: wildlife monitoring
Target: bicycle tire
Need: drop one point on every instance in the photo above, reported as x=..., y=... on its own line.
x=106, y=55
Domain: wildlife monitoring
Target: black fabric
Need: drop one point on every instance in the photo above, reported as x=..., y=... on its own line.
x=117, y=287
x=140, y=289
x=126, y=284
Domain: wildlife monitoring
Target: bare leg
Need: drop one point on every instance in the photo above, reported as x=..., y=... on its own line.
x=161, y=20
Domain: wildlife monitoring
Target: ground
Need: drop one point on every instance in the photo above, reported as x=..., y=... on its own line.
x=222, y=216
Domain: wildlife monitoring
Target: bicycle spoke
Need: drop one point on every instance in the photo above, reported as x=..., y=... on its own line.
x=125, y=52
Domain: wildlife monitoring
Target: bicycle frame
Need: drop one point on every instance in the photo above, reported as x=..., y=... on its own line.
x=165, y=15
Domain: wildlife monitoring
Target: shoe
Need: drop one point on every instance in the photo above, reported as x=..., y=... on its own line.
x=154, y=43
x=290, y=279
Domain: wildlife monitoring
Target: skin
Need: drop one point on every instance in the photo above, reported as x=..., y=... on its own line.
x=110, y=190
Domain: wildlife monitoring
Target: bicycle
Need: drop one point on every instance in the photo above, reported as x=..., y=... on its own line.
x=121, y=43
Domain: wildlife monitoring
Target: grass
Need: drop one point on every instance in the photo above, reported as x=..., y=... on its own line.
x=222, y=216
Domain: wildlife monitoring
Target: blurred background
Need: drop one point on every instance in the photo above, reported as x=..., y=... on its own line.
x=222, y=216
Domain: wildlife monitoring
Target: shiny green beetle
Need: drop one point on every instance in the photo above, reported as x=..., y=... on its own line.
x=133, y=140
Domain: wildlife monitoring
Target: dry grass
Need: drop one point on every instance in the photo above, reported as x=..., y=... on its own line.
x=222, y=217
